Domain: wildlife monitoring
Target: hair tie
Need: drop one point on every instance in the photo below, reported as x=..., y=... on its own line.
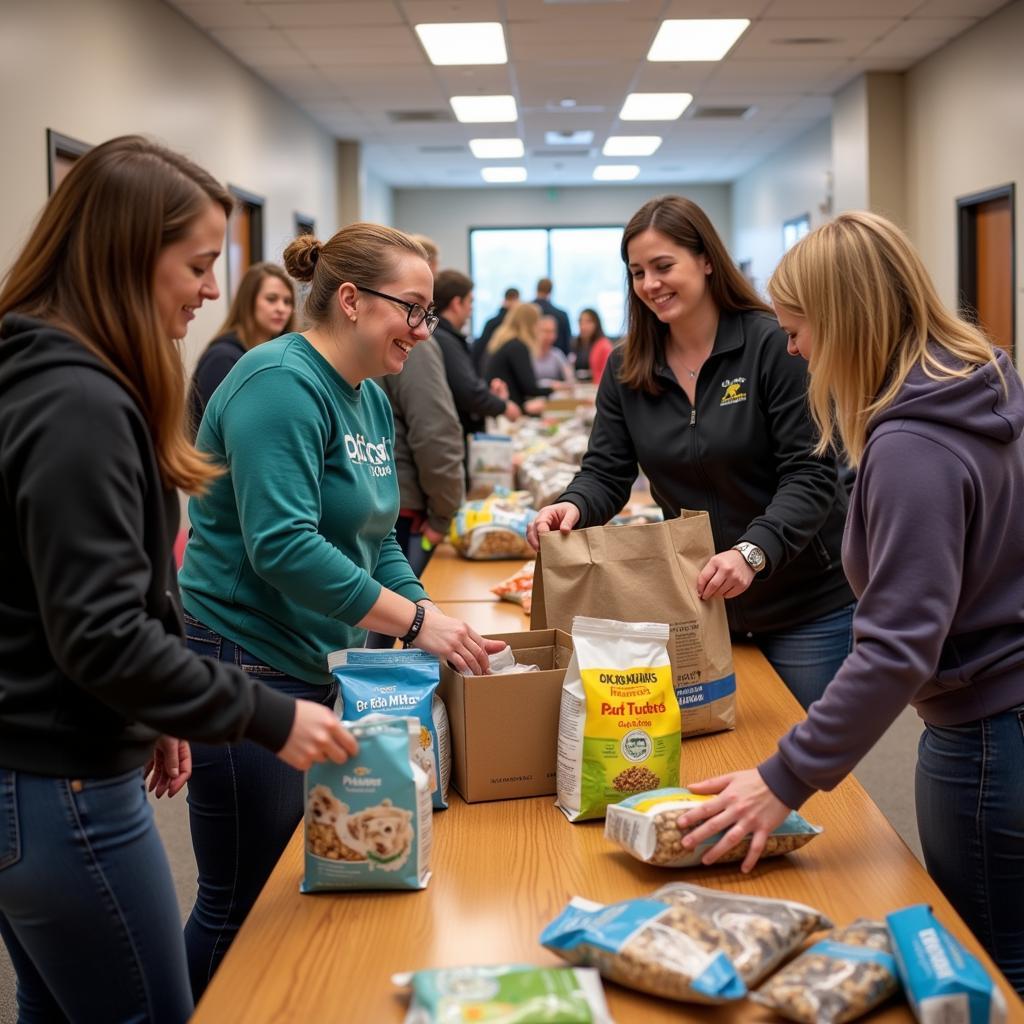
x=314, y=253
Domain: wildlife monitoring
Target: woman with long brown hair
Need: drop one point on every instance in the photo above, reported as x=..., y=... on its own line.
x=933, y=418
x=704, y=399
x=263, y=308
x=95, y=680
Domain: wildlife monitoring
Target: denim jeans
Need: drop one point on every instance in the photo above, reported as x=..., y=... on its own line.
x=87, y=905
x=244, y=804
x=970, y=814
x=807, y=657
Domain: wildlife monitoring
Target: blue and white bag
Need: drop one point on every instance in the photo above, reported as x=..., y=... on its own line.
x=368, y=822
x=399, y=682
x=943, y=982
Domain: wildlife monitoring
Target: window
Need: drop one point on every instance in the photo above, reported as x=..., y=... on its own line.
x=245, y=236
x=795, y=229
x=583, y=263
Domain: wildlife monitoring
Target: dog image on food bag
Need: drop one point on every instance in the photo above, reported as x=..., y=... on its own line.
x=385, y=833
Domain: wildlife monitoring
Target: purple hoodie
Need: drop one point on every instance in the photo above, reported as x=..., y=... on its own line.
x=934, y=551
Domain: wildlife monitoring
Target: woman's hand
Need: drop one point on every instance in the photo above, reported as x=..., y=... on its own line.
x=563, y=516
x=169, y=768
x=744, y=806
x=726, y=575
x=317, y=735
x=455, y=642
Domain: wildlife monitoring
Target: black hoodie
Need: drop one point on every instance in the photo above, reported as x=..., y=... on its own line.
x=92, y=665
x=742, y=454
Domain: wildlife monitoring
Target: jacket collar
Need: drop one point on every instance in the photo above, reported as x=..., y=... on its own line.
x=447, y=325
x=728, y=338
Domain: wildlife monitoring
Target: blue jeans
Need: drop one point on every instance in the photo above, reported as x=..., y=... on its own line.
x=244, y=804
x=87, y=905
x=807, y=657
x=970, y=815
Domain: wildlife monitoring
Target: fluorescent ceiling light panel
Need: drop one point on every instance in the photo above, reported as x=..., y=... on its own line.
x=654, y=106
x=503, y=174
x=616, y=172
x=696, y=38
x=580, y=138
x=476, y=42
x=631, y=145
x=484, y=109
x=496, y=149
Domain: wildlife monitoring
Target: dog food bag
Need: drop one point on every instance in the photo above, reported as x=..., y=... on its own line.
x=618, y=724
x=944, y=983
x=756, y=933
x=368, y=822
x=647, y=945
x=507, y=994
x=847, y=974
x=399, y=682
x=646, y=825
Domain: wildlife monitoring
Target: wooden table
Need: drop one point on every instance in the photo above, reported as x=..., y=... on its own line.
x=450, y=577
x=503, y=870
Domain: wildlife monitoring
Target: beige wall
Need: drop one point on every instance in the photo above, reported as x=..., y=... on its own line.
x=107, y=67
x=965, y=134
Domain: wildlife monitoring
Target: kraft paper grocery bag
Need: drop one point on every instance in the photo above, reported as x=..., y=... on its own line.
x=647, y=573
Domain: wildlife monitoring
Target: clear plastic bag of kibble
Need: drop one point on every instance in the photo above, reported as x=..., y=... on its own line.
x=757, y=933
x=842, y=977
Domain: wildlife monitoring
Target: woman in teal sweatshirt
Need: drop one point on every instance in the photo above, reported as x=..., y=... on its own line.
x=293, y=552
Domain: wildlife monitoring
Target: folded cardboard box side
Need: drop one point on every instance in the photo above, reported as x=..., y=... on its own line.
x=504, y=727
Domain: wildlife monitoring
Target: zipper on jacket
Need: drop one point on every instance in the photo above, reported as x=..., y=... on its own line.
x=693, y=417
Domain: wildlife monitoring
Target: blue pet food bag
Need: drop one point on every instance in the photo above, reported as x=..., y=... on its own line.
x=399, y=682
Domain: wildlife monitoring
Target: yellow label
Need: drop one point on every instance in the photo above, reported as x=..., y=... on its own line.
x=633, y=698
x=674, y=798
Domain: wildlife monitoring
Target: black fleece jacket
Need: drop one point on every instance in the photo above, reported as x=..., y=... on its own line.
x=92, y=664
x=743, y=455
x=474, y=400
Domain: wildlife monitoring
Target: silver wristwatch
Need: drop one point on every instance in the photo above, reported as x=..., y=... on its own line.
x=752, y=555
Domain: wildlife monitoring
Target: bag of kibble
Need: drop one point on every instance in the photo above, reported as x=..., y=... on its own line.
x=756, y=933
x=494, y=527
x=647, y=826
x=368, y=822
x=399, y=682
x=618, y=723
x=840, y=978
x=514, y=993
x=647, y=945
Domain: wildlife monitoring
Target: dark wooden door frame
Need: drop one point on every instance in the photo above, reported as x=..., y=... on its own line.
x=57, y=146
x=966, y=244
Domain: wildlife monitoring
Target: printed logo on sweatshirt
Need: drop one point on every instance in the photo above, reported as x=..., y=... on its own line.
x=733, y=391
x=364, y=452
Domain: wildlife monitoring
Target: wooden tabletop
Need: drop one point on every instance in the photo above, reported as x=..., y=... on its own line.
x=450, y=577
x=503, y=870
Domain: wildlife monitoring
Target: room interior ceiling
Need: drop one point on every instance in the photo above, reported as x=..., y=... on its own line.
x=357, y=68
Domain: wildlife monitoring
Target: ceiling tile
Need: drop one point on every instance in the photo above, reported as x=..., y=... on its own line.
x=232, y=14
x=837, y=37
x=329, y=15
x=918, y=37
x=839, y=9
x=418, y=12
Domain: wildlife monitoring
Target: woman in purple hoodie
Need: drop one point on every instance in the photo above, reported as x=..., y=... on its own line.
x=934, y=552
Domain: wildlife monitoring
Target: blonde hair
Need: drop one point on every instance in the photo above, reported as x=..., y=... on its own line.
x=88, y=268
x=520, y=322
x=874, y=315
x=363, y=254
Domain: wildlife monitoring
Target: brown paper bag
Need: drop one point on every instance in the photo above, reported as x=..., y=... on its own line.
x=647, y=573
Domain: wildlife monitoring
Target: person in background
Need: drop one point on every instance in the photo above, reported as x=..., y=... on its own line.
x=293, y=552
x=429, y=246
x=97, y=689
x=550, y=365
x=263, y=308
x=543, y=300
x=480, y=344
x=935, y=559
x=591, y=346
x=510, y=357
x=704, y=399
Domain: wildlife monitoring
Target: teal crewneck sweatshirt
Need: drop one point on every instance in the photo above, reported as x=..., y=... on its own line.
x=291, y=547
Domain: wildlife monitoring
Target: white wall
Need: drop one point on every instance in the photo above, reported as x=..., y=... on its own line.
x=378, y=204
x=965, y=134
x=109, y=67
x=792, y=182
x=446, y=215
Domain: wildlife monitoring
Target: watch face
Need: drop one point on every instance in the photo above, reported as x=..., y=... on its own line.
x=755, y=557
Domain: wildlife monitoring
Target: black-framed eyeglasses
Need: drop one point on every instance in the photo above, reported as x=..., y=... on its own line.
x=415, y=313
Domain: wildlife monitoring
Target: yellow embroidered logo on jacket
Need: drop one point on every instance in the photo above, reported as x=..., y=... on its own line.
x=733, y=391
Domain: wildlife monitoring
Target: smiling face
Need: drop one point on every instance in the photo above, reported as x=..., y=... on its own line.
x=667, y=278
x=798, y=331
x=183, y=278
x=273, y=306
x=588, y=326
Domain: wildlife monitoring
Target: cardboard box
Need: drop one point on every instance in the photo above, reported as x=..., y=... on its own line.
x=504, y=728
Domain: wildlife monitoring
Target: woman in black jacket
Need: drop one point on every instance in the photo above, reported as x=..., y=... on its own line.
x=705, y=400
x=263, y=308
x=95, y=679
x=510, y=354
